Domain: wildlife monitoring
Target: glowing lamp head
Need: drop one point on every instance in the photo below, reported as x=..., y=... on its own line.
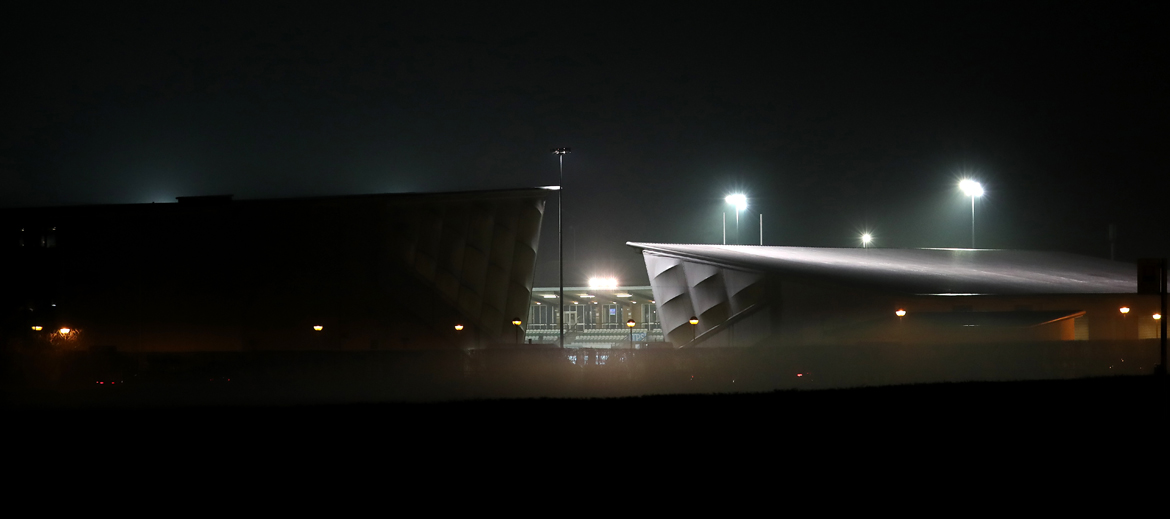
x=900, y=313
x=38, y=328
x=630, y=323
x=971, y=188
x=516, y=321
x=866, y=238
x=1125, y=309
x=64, y=331
x=318, y=327
x=459, y=327
x=739, y=201
x=1157, y=316
x=694, y=320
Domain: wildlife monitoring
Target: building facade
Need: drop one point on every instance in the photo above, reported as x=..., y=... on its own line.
x=753, y=295
x=394, y=271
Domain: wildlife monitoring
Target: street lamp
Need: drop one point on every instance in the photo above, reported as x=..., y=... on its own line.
x=900, y=313
x=694, y=320
x=740, y=203
x=560, y=153
x=459, y=327
x=865, y=239
x=516, y=323
x=974, y=190
x=630, y=324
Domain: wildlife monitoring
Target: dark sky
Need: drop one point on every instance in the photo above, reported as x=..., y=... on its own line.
x=833, y=118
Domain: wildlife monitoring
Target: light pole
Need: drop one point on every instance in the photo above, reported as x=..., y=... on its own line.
x=974, y=190
x=740, y=203
x=694, y=320
x=560, y=153
x=630, y=324
x=516, y=323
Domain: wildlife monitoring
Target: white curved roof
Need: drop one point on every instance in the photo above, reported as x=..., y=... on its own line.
x=921, y=271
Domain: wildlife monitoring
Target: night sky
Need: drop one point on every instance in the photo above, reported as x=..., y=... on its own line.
x=832, y=118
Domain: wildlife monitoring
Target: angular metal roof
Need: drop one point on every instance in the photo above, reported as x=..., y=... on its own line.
x=921, y=271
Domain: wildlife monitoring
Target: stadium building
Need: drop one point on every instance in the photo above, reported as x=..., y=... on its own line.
x=392, y=271
x=760, y=295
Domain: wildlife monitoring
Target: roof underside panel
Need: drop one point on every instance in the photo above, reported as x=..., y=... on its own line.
x=921, y=271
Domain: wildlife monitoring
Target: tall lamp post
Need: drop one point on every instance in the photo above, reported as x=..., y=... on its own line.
x=694, y=320
x=974, y=190
x=560, y=153
x=516, y=323
x=740, y=203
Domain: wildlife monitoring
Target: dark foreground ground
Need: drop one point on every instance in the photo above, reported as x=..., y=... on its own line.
x=971, y=445
x=982, y=412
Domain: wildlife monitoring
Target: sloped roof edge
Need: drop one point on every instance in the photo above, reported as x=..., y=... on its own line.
x=920, y=271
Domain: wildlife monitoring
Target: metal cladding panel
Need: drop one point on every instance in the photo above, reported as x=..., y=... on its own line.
x=921, y=271
x=668, y=282
x=672, y=281
x=683, y=289
x=741, y=288
x=479, y=255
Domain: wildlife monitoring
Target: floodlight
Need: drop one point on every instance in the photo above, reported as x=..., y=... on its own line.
x=971, y=187
x=974, y=190
x=603, y=283
x=738, y=200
